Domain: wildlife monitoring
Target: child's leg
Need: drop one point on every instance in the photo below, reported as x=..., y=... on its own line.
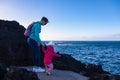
x=49, y=68
x=45, y=67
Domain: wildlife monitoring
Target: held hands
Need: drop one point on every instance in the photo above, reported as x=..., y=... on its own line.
x=43, y=44
x=39, y=44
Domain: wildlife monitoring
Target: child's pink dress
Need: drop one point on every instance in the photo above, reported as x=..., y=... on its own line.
x=48, y=55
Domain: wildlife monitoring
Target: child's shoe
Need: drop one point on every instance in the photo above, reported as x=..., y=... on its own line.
x=48, y=73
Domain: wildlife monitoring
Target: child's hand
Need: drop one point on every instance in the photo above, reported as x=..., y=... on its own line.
x=59, y=54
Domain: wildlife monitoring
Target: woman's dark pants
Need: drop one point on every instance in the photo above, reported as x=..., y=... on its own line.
x=36, y=51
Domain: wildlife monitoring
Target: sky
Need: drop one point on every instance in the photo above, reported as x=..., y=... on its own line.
x=78, y=20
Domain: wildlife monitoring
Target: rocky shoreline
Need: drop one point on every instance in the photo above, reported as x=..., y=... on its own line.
x=14, y=51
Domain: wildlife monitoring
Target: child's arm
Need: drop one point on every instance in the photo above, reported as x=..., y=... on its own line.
x=51, y=51
x=56, y=55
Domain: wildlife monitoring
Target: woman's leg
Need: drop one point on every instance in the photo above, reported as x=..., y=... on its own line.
x=36, y=52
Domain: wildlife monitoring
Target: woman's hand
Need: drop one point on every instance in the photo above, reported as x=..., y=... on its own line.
x=39, y=44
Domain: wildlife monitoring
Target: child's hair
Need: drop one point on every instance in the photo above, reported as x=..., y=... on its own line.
x=45, y=19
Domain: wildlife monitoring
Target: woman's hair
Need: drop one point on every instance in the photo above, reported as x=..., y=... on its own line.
x=45, y=19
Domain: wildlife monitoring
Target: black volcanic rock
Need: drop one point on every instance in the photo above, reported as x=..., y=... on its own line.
x=67, y=62
x=93, y=69
x=105, y=77
x=2, y=71
x=14, y=49
x=20, y=74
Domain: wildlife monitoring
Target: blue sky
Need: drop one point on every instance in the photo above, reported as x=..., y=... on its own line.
x=69, y=19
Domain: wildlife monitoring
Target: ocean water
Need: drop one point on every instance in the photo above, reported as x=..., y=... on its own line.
x=105, y=53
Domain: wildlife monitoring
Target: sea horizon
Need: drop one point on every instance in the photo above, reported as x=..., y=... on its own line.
x=83, y=40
